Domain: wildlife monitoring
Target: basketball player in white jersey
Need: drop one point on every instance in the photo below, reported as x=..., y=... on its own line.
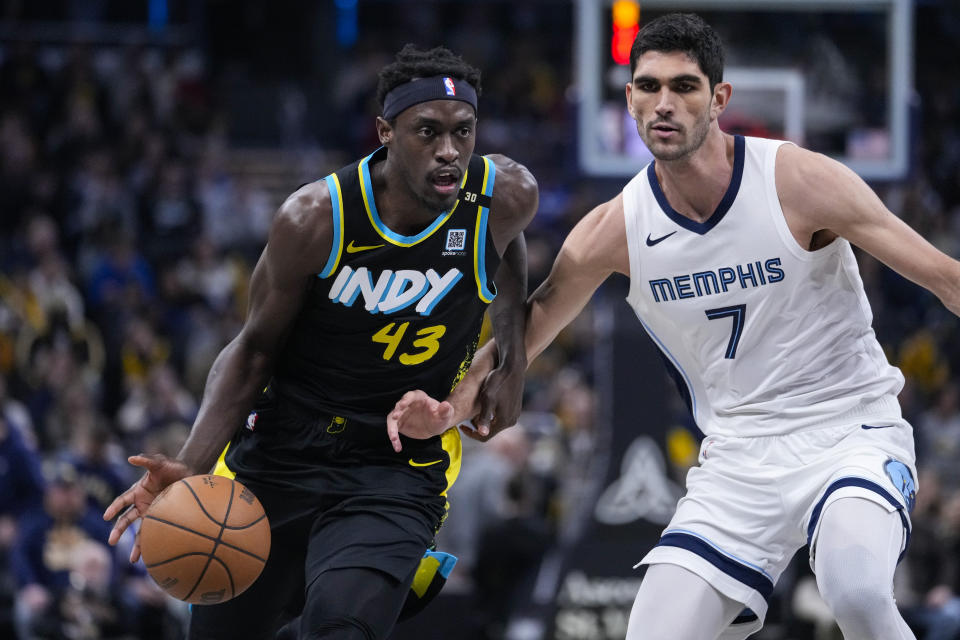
x=739, y=256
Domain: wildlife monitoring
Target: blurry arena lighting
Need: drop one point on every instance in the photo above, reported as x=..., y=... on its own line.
x=626, y=23
x=157, y=15
x=347, y=27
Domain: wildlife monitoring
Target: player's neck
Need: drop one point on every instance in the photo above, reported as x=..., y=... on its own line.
x=695, y=185
x=399, y=207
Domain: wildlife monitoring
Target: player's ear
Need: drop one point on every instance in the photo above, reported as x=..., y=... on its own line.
x=384, y=130
x=721, y=98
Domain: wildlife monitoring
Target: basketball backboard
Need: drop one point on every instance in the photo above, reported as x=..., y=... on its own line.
x=833, y=75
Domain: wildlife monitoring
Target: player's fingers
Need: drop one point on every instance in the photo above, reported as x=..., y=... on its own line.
x=483, y=419
x=150, y=463
x=129, y=517
x=403, y=402
x=410, y=398
x=488, y=402
x=393, y=431
x=119, y=503
x=135, y=551
x=444, y=411
x=473, y=435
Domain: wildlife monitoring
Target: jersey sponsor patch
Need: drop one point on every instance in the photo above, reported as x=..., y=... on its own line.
x=456, y=240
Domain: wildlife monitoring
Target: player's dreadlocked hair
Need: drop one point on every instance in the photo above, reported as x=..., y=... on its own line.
x=412, y=62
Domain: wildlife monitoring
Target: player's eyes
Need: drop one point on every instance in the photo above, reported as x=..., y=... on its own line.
x=464, y=132
x=425, y=132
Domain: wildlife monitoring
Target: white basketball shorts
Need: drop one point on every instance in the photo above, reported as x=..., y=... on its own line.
x=753, y=502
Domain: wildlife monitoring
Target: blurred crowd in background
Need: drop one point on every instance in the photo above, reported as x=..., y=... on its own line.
x=134, y=201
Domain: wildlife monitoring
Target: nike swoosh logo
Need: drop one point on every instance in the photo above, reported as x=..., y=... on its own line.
x=650, y=242
x=881, y=426
x=354, y=248
x=414, y=463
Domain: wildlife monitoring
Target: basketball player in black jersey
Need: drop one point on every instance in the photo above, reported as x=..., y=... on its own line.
x=373, y=282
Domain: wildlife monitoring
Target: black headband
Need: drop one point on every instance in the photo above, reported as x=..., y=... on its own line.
x=420, y=90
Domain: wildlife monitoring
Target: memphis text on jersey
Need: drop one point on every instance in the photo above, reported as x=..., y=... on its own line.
x=708, y=283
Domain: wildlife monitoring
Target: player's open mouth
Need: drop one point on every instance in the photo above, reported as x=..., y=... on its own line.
x=445, y=182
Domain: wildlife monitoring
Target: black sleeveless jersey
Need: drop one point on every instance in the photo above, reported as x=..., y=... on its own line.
x=391, y=313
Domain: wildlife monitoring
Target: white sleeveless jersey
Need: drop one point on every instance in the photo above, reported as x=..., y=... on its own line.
x=764, y=337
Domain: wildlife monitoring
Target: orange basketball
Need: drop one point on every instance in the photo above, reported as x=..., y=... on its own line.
x=205, y=539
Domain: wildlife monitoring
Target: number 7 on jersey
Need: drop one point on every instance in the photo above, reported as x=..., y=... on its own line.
x=739, y=314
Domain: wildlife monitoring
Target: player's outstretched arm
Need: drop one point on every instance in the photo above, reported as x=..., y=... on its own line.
x=819, y=193
x=500, y=395
x=516, y=199
x=300, y=237
x=595, y=248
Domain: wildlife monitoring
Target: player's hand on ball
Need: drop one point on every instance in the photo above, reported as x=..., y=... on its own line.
x=417, y=415
x=161, y=472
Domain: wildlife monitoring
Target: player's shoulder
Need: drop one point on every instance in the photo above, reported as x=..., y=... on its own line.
x=803, y=175
x=515, y=185
x=604, y=225
x=510, y=168
x=598, y=241
x=603, y=228
x=305, y=219
x=515, y=199
x=607, y=213
x=794, y=161
x=304, y=208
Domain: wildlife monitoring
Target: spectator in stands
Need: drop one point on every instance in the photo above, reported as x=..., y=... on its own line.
x=46, y=549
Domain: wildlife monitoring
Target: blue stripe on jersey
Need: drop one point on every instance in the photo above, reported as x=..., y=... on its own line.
x=675, y=370
x=750, y=575
x=488, y=185
x=480, y=249
x=739, y=152
x=336, y=201
x=863, y=483
x=382, y=229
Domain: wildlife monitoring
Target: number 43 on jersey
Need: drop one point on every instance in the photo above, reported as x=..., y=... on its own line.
x=418, y=347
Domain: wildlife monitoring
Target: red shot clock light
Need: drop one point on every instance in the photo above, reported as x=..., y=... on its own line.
x=626, y=23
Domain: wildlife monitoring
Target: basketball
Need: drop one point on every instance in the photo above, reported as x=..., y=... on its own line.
x=205, y=539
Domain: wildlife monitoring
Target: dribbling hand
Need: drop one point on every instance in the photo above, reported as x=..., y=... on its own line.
x=161, y=472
